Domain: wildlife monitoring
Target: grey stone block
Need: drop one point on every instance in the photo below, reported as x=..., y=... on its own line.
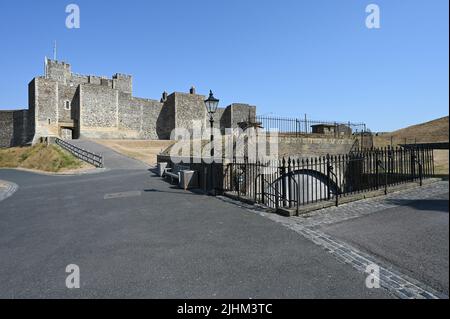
x=161, y=167
x=188, y=179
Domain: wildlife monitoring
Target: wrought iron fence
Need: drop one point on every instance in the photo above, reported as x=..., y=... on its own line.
x=292, y=183
x=84, y=155
x=296, y=126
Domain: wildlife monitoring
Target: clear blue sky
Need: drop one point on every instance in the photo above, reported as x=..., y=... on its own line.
x=286, y=57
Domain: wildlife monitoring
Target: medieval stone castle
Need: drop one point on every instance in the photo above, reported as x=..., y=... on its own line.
x=71, y=106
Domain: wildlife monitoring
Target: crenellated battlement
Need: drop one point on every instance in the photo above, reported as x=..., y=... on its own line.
x=121, y=76
x=61, y=72
x=58, y=63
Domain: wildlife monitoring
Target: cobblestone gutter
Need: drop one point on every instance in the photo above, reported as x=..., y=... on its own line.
x=307, y=225
x=304, y=210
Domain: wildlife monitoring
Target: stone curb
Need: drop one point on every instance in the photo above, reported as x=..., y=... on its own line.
x=397, y=284
x=83, y=172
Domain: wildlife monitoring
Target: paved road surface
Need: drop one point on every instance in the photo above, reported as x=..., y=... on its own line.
x=112, y=159
x=134, y=235
x=405, y=233
x=414, y=237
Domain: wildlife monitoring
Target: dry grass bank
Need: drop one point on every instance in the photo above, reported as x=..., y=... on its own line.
x=40, y=157
x=429, y=132
x=142, y=150
x=441, y=159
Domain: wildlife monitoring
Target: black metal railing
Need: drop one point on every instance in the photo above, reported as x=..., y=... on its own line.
x=291, y=183
x=297, y=126
x=84, y=155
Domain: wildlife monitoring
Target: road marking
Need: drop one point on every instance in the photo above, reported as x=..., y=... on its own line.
x=122, y=195
x=7, y=189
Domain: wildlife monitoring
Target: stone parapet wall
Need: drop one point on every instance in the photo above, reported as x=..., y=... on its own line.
x=312, y=147
x=7, y=128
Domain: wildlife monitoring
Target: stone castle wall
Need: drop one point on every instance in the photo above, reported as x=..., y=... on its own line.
x=7, y=128
x=103, y=107
x=100, y=107
x=14, y=128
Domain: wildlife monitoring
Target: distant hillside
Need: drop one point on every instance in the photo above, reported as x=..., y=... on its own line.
x=433, y=131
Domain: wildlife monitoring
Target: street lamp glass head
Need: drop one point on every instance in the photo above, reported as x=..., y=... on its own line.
x=211, y=103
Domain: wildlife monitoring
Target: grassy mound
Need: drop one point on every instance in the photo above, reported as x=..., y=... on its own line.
x=429, y=132
x=39, y=157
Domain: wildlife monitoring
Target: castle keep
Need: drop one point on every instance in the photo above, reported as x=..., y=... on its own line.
x=71, y=106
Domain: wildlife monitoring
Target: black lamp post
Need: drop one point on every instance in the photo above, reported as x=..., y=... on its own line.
x=211, y=107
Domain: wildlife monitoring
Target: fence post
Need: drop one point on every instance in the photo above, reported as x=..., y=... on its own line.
x=289, y=182
x=231, y=167
x=420, y=174
x=262, y=190
x=277, y=204
x=283, y=181
x=238, y=185
x=377, y=163
x=337, y=200
x=385, y=172
x=255, y=188
x=432, y=162
x=205, y=174
x=328, y=178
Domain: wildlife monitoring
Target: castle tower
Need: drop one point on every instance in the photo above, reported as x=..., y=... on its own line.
x=57, y=71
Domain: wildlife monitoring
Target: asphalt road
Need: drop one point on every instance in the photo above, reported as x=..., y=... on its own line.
x=135, y=236
x=112, y=159
x=413, y=237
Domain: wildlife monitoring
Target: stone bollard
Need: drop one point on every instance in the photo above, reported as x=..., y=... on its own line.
x=161, y=168
x=188, y=179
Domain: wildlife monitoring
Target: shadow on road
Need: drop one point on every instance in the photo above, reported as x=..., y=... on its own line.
x=440, y=205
